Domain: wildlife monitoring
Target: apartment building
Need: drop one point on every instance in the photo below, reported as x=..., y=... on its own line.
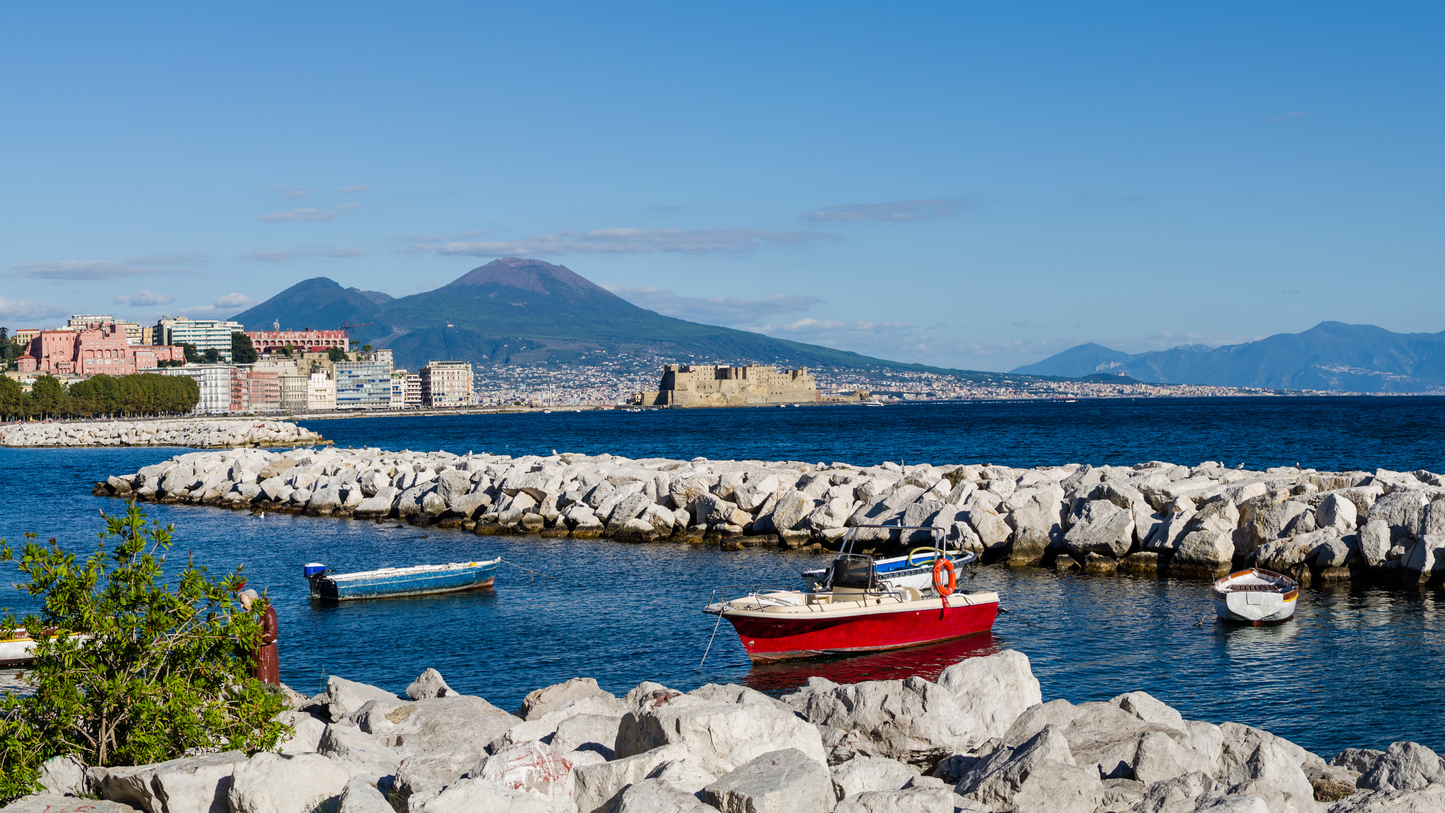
x=446, y=384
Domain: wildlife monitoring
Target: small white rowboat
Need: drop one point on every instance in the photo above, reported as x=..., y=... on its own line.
x=1255, y=596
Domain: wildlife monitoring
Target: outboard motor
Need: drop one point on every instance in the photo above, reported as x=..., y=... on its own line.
x=314, y=571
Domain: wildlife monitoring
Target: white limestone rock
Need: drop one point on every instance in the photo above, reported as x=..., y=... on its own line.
x=781, y=781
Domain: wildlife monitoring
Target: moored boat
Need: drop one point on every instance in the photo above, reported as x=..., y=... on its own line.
x=857, y=611
x=914, y=570
x=389, y=582
x=18, y=649
x=1255, y=596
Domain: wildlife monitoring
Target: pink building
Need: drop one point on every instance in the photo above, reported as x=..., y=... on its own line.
x=310, y=341
x=101, y=351
x=254, y=391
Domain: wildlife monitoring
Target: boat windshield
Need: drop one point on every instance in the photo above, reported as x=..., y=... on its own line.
x=853, y=571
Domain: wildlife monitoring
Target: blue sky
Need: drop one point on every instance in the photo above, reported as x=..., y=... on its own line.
x=970, y=185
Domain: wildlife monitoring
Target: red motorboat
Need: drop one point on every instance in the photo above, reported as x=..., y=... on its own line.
x=857, y=612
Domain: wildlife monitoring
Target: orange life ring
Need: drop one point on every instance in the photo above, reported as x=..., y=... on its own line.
x=938, y=585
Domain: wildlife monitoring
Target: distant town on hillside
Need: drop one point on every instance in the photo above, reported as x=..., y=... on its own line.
x=311, y=371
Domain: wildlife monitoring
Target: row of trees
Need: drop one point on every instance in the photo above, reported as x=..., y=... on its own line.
x=99, y=395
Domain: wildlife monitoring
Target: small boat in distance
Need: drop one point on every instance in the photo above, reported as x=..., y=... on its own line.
x=390, y=582
x=1255, y=596
x=874, y=402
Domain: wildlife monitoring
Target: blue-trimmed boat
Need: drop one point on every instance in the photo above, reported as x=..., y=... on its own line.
x=390, y=582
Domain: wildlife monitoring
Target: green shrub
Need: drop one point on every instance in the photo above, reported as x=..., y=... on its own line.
x=144, y=671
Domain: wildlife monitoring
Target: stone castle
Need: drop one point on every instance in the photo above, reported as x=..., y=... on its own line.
x=711, y=386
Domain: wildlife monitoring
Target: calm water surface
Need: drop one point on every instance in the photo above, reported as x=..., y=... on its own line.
x=1358, y=667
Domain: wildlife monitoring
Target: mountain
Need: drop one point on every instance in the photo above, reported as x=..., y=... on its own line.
x=1329, y=356
x=317, y=303
x=520, y=311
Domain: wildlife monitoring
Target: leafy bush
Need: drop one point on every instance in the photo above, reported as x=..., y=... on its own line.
x=142, y=671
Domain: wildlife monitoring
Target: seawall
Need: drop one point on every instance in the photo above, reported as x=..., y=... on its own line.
x=199, y=433
x=1184, y=520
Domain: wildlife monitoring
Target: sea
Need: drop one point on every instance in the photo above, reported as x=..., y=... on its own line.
x=1359, y=666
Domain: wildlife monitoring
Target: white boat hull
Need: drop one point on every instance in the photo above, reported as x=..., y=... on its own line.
x=16, y=652
x=1255, y=597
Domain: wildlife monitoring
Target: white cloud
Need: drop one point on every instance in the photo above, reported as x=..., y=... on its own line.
x=143, y=299
x=898, y=210
x=636, y=241
x=27, y=309
x=171, y=258
x=85, y=270
x=357, y=188
x=233, y=301
x=282, y=255
x=308, y=214
x=291, y=191
x=725, y=310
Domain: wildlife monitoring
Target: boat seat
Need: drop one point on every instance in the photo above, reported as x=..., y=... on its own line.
x=1253, y=588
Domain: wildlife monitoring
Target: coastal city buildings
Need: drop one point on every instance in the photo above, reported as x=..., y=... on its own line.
x=412, y=397
x=102, y=349
x=133, y=331
x=320, y=392
x=214, y=383
x=363, y=385
x=447, y=384
x=293, y=392
x=204, y=334
x=308, y=340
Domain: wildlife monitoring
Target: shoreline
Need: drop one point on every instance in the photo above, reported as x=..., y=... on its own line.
x=978, y=739
x=1154, y=517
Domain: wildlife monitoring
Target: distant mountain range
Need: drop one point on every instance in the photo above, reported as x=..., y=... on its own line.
x=520, y=311
x=1329, y=356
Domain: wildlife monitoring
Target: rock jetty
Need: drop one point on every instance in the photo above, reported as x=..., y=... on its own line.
x=197, y=434
x=979, y=740
x=1154, y=516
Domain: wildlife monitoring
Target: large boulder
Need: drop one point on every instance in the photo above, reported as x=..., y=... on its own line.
x=533, y=768
x=1404, y=766
x=361, y=795
x=1037, y=518
x=782, y=781
x=994, y=690
x=346, y=697
x=1205, y=551
x=598, y=786
x=864, y=774
x=455, y=722
x=659, y=796
x=429, y=684
x=1100, y=527
x=276, y=783
x=185, y=785
x=472, y=795
x=1039, y=774
x=1426, y=557
x=721, y=735
x=551, y=698
x=911, y=720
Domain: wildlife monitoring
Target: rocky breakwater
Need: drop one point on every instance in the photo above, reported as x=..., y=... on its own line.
x=979, y=740
x=198, y=434
x=1154, y=516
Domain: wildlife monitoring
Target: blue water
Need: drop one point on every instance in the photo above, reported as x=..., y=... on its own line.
x=1358, y=667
